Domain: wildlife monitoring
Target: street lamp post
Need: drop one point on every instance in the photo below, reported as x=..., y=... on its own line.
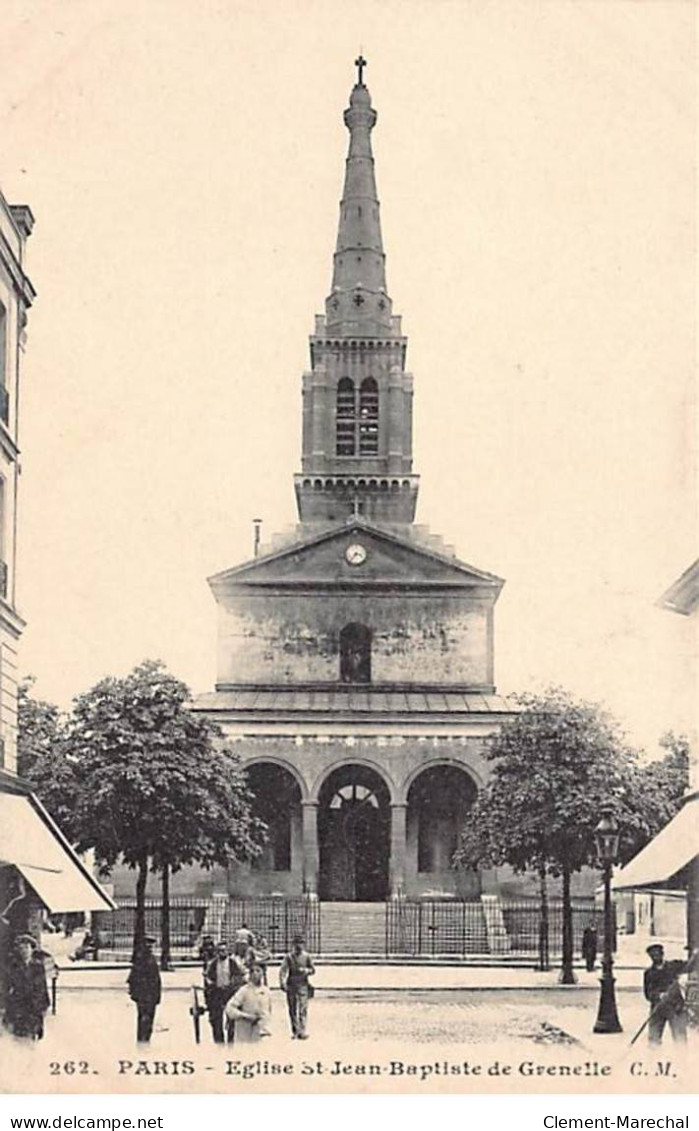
x=607, y=843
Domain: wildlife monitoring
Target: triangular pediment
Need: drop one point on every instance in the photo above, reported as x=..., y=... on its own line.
x=356, y=552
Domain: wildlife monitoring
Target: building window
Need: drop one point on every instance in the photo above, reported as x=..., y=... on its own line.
x=369, y=418
x=346, y=422
x=355, y=654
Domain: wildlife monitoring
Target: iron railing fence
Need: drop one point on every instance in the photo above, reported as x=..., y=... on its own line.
x=278, y=920
x=414, y=927
x=430, y=927
x=522, y=920
x=187, y=917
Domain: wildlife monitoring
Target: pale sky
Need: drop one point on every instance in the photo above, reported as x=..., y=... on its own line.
x=184, y=161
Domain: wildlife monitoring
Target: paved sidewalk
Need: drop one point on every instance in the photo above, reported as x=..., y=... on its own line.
x=379, y=978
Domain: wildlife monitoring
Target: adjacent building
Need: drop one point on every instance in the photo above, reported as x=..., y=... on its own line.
x=670, y=862
x=38, y=868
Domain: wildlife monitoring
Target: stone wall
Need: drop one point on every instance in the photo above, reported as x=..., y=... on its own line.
x=294, y=638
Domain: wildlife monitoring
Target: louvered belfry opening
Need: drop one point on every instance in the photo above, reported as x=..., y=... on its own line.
x=346, y=421
x=369, y=418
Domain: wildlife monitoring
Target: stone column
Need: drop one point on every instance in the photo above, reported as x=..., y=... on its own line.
x=398, y=848
x=309, y=811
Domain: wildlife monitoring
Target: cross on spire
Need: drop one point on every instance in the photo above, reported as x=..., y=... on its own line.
x=360, y=63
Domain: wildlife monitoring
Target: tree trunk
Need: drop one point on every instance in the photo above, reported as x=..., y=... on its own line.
x=165, y=920
x=544, y=963
x=567, y=977
x=139, y=932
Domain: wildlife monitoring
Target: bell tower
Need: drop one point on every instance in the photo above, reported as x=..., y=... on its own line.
x=357, y=395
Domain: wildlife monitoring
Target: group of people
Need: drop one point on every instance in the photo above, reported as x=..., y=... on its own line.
x=236, y=992
x=237, y=997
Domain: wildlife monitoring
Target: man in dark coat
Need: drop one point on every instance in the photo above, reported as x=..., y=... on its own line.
x=223, y=977
x=662, y=990
x=589, y=946
x=145, y=988
x=27, y=994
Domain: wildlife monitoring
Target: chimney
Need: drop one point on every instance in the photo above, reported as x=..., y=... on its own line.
x=257, y=527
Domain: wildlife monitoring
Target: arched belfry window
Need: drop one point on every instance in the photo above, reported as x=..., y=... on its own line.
x=346, y=423
x=357, y=425
x=355, y=654
x=369, y=418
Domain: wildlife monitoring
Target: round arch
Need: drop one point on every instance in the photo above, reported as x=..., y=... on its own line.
x=439, y=796
x=354, y=825
x=277, y=801
x=274, y=760
x=349, y=760
x=455, y=762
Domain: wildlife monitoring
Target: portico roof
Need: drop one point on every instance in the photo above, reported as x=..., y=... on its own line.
x=357, y=701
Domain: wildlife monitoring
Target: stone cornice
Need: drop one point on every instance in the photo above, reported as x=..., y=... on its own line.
x=326, y=587
x=20, y=281
x=331, y=341
x=10, y=619
x=371, y=688
x=12, y=783
x=434, y=726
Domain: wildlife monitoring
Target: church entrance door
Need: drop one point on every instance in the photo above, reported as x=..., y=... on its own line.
x=354, y=836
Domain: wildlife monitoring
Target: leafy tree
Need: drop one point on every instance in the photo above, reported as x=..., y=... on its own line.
x=42, y=755
x=555, y=765
x=664, y=781
x=158, y=788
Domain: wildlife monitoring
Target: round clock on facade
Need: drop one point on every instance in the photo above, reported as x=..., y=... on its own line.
x=355, y=554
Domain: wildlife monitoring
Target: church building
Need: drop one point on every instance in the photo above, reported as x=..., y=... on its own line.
x=355, y=652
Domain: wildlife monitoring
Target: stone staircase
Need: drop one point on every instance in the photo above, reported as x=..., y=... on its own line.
x=353, y=928
x=498, y=938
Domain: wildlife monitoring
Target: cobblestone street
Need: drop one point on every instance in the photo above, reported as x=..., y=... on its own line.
x=90, y=1044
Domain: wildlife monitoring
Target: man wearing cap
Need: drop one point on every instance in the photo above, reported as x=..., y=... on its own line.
x=661, y=988
x=294, y=972
x=145, y=988
x=27, y=994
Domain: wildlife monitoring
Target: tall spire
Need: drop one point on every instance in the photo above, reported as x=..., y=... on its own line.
x=357, y=456
x=358, y=305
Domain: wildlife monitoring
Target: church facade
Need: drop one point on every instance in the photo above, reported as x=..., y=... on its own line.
x=356, y=652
